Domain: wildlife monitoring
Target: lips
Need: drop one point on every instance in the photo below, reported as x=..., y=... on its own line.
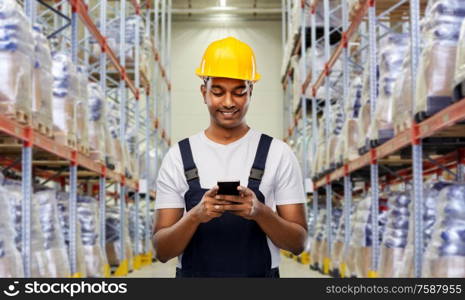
x=228, y=114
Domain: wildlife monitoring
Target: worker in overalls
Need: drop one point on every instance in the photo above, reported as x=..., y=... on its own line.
x=217, y=235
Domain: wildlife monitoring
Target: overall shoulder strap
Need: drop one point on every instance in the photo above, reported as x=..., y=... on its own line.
x=190, y=169
x=258, y=167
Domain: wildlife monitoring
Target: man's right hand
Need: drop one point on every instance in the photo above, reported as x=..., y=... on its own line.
x=208, y=208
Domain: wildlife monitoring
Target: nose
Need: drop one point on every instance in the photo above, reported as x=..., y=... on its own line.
x=228, y=101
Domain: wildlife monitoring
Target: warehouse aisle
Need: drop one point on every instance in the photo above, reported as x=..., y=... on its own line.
x=288, y=269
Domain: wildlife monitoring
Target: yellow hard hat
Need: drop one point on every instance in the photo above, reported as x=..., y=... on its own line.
x=229, y=58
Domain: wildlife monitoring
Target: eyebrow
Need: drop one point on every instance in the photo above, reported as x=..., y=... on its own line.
x=236, y=88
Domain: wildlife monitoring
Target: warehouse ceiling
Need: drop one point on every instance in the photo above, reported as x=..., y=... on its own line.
x=226, y=10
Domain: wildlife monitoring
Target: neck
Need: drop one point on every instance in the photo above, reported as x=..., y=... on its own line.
x=226, y=136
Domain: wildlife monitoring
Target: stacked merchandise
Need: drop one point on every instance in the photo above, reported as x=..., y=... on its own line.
x=365, y=110
x=65, y=94
x=334, y=154
x=54, y=243
x=362, y=239
x=114, y=39
x=324, y=254
x=392, y=52
x=395, y=236
x=39, y=262
x=318, y=240
x=97, y=123
x=112, y=239
x=63, y=216
x=459, y=78
x=42, y=81
x=319, y=161
x=435, y=80
x=130, y=152
x=95, y=259
x=348, y=256
x=17, y=59
x=431, y=195
x=402, y=106
x=114, y=137
x=445, y=254
x=337, y=256
x=351, y=126
x=82, y=131
x=132, y=227
x=11, y=264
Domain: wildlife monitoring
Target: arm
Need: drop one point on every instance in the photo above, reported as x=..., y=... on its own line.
x=173, y=231
x=287, y=228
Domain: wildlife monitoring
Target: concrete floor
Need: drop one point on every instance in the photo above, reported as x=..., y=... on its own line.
x=288, y=269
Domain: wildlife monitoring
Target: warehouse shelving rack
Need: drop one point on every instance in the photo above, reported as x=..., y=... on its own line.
x=411, y=142
x=74, y=22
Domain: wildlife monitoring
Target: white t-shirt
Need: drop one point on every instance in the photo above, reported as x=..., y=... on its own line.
x=281, y=183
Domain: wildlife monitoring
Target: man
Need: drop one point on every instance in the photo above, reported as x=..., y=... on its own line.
x=228, y=235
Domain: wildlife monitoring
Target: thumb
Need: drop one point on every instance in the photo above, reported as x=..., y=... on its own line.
x=244, y=191
x=212, y=192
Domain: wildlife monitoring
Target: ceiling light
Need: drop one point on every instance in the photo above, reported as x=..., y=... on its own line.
x=222, y=3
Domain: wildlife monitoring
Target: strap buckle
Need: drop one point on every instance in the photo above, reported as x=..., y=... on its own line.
x=191, y=174
x=256, y=174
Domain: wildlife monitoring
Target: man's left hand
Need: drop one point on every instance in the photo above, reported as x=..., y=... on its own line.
x=246, y=204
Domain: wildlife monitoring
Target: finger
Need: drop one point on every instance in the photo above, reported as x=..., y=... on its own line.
x=216, y=208
x=236, y=207
x=213, y=214
x=244, y=192
x=230, y=198
x=212, y=192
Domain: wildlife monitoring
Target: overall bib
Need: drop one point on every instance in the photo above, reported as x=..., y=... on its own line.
x=228, y=246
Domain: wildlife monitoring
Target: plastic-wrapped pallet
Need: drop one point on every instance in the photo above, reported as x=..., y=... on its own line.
x=364, y=118
x=95, y=259
x=350, y=131
x=459, y=77
x=17, y=59
x=362, y=236
x=39, y=262
x=112, y=239
x=63, y=216
x=42, y=80
x=318, y=239
x=396, y=233
x=431, y=195
x=82, y=104
x=54, y=243
x=337, y=255
x=323, y=252
x=132, y=233
x=97, y=121
x=435, y=80
x=114, y=130
x=130, y=152
x=65, y=95
x=11, y=264
x=402, y=106
x=348, y=257
x=113, y=37
x=392, y=54
x=445, y=254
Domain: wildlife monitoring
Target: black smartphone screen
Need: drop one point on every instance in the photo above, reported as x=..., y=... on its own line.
x=228, y=188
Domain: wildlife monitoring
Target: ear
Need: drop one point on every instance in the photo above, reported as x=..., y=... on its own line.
x=203, y=91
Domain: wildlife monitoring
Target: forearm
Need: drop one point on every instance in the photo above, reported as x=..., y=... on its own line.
x=171, y=241
x=284, y=234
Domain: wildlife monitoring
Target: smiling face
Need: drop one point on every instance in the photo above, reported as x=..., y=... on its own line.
x=227, y=100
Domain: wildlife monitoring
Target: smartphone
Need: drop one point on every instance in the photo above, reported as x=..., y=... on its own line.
x=228, y=188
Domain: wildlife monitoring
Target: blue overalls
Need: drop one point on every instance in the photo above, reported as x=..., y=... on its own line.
x=228, y=246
